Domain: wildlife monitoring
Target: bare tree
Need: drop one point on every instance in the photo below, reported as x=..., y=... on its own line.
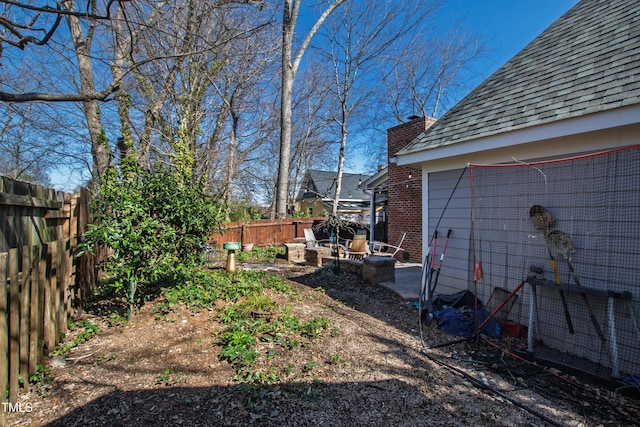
x=290, y=64
x=25, y=23
x=312, y=139
x=242, y=88
x=356, y=41
x=19, y=158
x=426, y=73
x=91, y=21
x=193, y=98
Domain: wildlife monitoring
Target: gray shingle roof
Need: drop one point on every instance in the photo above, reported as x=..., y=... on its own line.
x=588, y=61
x=322, y=182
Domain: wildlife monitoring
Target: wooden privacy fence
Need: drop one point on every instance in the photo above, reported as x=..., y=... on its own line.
x=42, y=283
x=263, y=232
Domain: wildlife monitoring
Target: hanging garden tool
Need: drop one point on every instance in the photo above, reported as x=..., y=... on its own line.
x=543, y=220
x=560, y=243
x=431, y=271
x=435, y=281
x=424, y=279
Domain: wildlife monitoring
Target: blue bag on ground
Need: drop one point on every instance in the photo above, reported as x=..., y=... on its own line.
x=454, y=322
x=462, y=323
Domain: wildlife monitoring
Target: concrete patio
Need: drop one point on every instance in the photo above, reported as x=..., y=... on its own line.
x=407, y=280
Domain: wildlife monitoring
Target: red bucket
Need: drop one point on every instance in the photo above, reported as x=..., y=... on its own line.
x=512, y=329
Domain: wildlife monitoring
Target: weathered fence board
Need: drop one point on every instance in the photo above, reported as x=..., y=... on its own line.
x=35, y=354
x=25, y=315
x=4, y=323
x=14, y=324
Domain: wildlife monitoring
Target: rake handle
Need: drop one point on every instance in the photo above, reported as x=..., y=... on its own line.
x=592, y=315
x=567, y=315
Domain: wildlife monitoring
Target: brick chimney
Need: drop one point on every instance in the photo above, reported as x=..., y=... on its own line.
x=404, y=208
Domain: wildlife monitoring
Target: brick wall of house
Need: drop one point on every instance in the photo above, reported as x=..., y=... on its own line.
x=404, y=209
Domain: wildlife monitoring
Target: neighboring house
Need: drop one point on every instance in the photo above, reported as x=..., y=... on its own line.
x=573, y=91
x=318, y=190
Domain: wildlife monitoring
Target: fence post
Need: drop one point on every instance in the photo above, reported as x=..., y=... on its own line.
x=62, y=258
x=4, y=324
x=50, y=323
x=35, y=313
x=42, y=306
x=14, y=325
x=25, y=297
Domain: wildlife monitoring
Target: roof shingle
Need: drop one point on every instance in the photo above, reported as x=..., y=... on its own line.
x=587, y=61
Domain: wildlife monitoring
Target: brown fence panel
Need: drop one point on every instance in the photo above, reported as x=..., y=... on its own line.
x=263, y=232
x=39, y=285
x=51, y=298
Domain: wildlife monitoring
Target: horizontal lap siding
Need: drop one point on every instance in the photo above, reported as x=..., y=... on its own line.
x=454, y=275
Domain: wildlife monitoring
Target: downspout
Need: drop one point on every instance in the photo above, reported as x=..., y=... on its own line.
x=372, y=219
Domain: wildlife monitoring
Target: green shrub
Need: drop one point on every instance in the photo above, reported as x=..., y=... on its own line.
x=153, y=222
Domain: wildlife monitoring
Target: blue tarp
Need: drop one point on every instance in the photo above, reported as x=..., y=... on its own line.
x=462, y=322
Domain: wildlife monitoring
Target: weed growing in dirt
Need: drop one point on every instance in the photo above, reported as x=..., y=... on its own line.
x=198, y=289
x=314, y=327
x=252, y=397
x=41, y=376
x=336, y=359
x=88, y=331
x=310, y=366
x=116, y=319
x=168, y=378
x=326, y=274
x=243, y=334
x=261, y=254
x=256, y=304
x=250, y=319
x=164, y=377
x=102, y=358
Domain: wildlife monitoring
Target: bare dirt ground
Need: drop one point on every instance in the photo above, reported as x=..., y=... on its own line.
x=374, y=372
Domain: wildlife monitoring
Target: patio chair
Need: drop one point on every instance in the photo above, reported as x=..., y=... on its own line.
x=358, y=248
x=385, y=249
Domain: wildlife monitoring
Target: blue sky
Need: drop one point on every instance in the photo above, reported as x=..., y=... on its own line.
x=506, y=26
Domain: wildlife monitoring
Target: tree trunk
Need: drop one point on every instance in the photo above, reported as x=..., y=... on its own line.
x=100, y=150
x=288, y=74
x=125, y=143
x=343, y=145
x=289, y=68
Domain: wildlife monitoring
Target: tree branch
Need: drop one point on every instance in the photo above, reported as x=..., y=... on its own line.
x=48, y=97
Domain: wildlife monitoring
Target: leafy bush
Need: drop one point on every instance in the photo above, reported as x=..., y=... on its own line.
x=152, y=222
